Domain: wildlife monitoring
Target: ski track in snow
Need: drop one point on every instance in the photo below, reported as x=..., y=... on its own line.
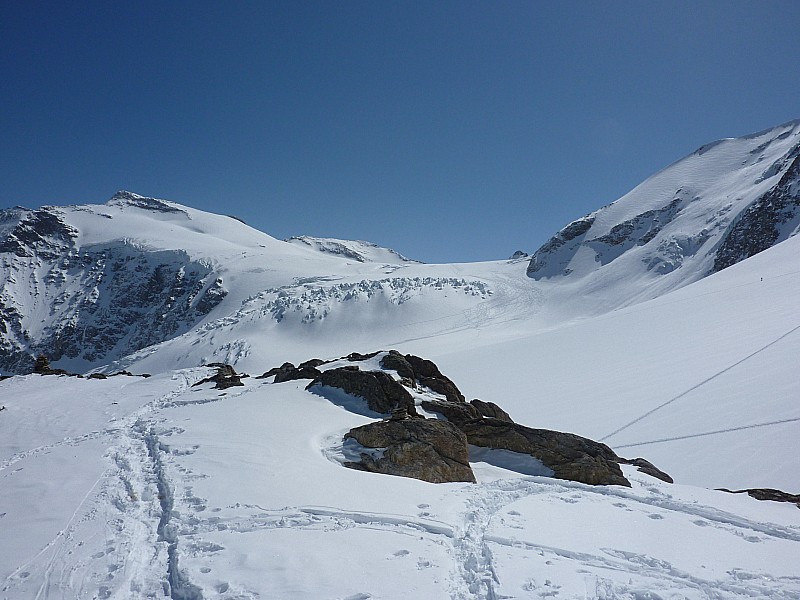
x=469, y=540
x=127, y=495
x=700, y=384
x=707, y=433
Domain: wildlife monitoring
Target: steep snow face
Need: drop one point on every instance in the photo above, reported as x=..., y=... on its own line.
x=88, y=284
x=81, y=304
x=725, y=202
x=355, y=250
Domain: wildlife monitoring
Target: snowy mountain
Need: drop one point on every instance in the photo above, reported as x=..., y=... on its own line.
x=356, y=250
x=90, y=284
x=723, y=203
x=663, y=326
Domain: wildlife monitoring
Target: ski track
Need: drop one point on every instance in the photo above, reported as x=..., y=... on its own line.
x=469, y=541
x=707, y=433
x=141, y=553
x=700, y=384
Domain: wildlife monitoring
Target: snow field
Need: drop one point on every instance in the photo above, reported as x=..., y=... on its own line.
x=202, y=493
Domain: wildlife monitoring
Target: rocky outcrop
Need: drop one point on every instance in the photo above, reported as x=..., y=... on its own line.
x=570, y=456
x=648, y=468
x=767, y=494
x=437, y=449
x=42, y=367
x=455, y=412
x=288, y=372
x=427, y=449
x=490, y=409
x=224, y=378
x=563, y=245
x=771, y=219
x=424, y=372
x=380, y=391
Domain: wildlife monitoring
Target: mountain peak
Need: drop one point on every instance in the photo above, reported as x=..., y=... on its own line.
x=126, y=198
x=733, y=197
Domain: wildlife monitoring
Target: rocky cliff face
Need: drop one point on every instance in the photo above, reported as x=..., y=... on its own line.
x=772, y=218
x=85, y=303
x=725, y=202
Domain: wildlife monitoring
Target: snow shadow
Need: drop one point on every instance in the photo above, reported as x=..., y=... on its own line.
x=350, y=403
x=524, y=464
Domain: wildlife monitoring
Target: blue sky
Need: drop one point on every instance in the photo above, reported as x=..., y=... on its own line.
x=450, y=131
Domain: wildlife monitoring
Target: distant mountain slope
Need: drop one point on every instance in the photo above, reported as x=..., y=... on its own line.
x=358, y=250
x=721, y=204
x=89, y=285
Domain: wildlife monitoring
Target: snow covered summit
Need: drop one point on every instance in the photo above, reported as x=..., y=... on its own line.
x=721, y=204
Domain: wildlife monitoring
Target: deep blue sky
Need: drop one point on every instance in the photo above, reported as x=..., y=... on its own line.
x=450, y=131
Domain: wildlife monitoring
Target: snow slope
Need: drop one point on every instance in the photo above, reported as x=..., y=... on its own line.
x=190, y=492
x=701, y=381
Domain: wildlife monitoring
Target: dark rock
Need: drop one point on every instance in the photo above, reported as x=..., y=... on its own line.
x=275, y=370
x=767, y=494
x=490, y=409
x=224, y=378
x=423, y=367
x=42, y=365
x=551, y=257
x=455, y=412
x=382, y=393
x=126, y=373
x=426, y=449
x=314, y=362
x=570, y=456
x=443, y=386
x=397, y=362
x=648, y=468
x=356, y=357
x=429, y=375
x=98, y=376
x=290, y=374
x=765, y=222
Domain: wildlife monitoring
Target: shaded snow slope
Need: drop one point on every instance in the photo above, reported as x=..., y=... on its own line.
x=721, y=204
